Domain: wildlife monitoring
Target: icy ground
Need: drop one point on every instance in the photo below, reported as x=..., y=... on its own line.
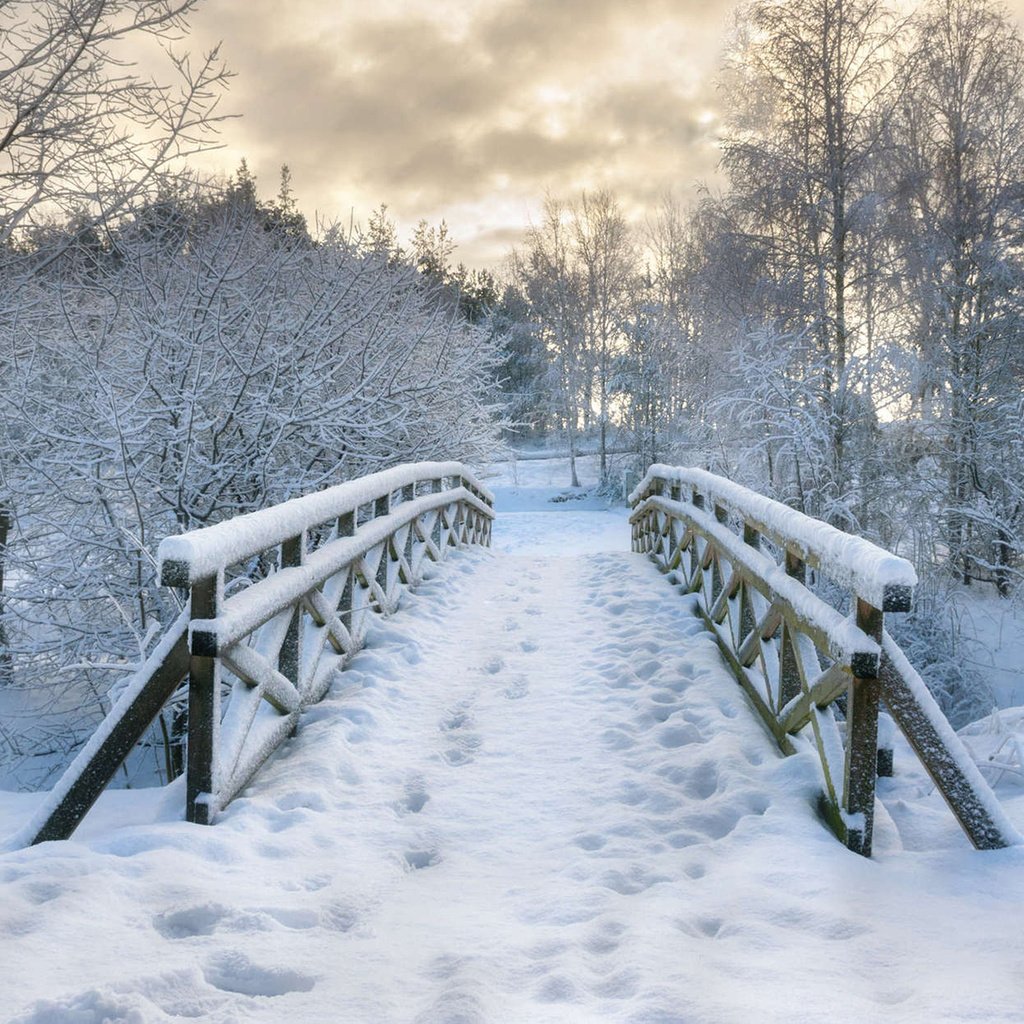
x=536, y=797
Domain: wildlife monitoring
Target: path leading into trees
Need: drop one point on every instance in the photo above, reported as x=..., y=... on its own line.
x=537, y=795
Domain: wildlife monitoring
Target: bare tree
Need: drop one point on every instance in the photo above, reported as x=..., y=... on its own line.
x=961, y=133
x=82, y=128
x=546, y=272
x=85, y=133
x=813, y=89
x=606, y=261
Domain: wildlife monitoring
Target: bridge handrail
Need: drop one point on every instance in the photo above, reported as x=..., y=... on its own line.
x=282, y=637
x=192, y=556
x=772, y=628
x=884, y=580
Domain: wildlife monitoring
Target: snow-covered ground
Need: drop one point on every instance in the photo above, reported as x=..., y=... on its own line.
x=537, y=796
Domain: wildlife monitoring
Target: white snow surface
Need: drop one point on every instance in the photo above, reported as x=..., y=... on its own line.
x=536, y=796
x=849, y=560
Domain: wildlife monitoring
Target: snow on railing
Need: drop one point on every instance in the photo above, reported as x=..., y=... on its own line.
x=775, y=633
x=304, y=576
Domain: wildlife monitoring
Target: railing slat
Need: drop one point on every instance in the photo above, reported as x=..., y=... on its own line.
x=97, y=763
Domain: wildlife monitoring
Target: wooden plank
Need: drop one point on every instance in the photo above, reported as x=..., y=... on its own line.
x=918, y=723
x=83, y=782
x=861, y=767
x=203, y=712
x=322, y=614
x=250, y=762
x=252, y=668
x=293, y=553
x=765, y=630
x=766, y=713
x=830, y=685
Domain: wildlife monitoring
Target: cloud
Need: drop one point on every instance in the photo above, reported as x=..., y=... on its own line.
x=441, y=108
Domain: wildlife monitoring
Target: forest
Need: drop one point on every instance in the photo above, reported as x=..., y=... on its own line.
x=838, y=324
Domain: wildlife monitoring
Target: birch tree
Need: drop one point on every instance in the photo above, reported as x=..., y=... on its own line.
x=962, y=133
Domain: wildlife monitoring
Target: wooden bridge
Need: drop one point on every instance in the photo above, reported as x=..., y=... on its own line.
x=276, y=603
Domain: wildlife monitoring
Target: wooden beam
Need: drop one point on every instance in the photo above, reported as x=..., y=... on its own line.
x=92, y=770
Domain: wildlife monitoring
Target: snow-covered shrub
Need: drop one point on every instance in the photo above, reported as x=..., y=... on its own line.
x=177, y=378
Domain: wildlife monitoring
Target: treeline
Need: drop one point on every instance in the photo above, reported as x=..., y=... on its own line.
x=841, y=324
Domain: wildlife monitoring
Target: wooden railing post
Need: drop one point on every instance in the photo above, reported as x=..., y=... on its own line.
x=293, y=553
x=382, y=507
x=203, y=705
x=455, y=528
x=436, y=487
x=748, y=620
x=789, y=671
x=409, y=494
x=721, y=516
x=862, y=740
x=347, y=528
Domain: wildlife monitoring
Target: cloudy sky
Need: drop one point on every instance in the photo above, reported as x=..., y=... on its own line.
x=469, y=109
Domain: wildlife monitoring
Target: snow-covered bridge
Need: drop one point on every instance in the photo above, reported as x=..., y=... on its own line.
x=535, y=794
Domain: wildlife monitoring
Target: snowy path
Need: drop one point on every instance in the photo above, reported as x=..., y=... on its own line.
x=537, y=796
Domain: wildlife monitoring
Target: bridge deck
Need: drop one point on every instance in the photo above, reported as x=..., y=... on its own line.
x=536, y=796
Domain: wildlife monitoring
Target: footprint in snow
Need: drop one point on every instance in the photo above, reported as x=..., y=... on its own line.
x=417, y=860
x=517, y=689
x=235, y=972
x=190, y=922
x=413, y=802
x=339, y=917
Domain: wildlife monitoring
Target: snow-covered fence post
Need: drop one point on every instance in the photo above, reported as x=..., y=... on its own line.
x=381, y=508
x=861, y=764
x=279, y=640
x=293, y=555
x=203, y=699
x=796, y=655
x=436, y=487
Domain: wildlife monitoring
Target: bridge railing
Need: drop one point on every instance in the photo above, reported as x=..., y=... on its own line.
x=278, y=602
x=797, y=656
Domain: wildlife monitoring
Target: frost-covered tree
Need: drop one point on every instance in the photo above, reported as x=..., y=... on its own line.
x=605, y=258
x=81, y=128
x=85, y=134
x=813, y=87
x=550, y=281
x=960, y=159
x=188, y=377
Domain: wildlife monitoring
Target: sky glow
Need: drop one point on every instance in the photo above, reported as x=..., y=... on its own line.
x=468, y=111
x=471, y=110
